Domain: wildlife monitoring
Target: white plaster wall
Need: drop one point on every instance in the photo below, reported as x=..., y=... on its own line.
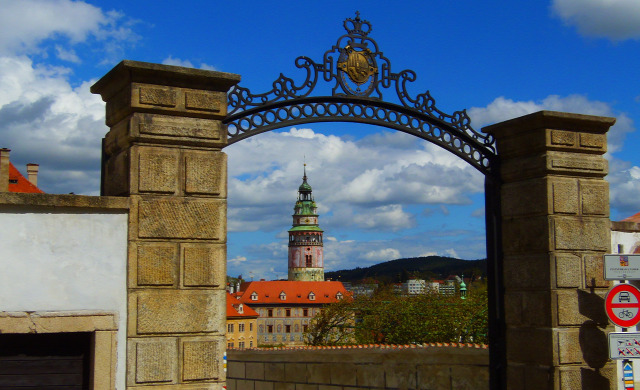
x=66, y=262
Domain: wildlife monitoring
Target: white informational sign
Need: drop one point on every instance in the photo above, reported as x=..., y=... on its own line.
x=624, y=345
x=622, y=267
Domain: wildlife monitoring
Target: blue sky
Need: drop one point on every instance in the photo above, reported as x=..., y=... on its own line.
x=381, y=194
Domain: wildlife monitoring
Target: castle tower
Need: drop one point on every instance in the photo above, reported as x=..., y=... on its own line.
x=306, y=261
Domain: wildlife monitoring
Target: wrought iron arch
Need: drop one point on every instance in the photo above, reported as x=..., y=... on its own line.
x=357, y=72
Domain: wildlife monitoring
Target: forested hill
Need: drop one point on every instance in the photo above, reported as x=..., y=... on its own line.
x=395, y=271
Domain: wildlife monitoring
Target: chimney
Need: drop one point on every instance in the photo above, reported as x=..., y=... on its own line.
x=32, y=173
x=4, y=169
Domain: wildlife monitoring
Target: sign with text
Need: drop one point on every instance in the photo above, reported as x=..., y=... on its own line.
x=624, y=345
x=622, y=267
x=622, y=305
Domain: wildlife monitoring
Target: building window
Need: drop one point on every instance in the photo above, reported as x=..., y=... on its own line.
x=270, y=313
x=283, y=296
x=250, y=326
x=269, y=328
x=254, y=296
x=241, y=344
x=251, y=344
x=308, y=260
x=296, y=328
x=312, y=296
x=266, y=338
x=279, y=328
x=305, y=312
x=287, y=312
x=229, y=345
x=339, y=296
x=274, y=338
x=287, y=328
x=241, y=327
x=229, y=328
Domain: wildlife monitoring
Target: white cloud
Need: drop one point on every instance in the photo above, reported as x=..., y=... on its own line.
x=26, y=24
x=451, y=252
x=391, y=217
x=501, y=109
x=380, y=255
x=624, y=181
x=186, y=63
x=67, y=54
x=613, y=19
x=58, y=126
x=237, y=260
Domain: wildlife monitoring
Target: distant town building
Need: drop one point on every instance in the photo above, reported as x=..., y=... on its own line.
x=360, y=290
x=286, y=308
x=414, y=287
x=242, y=327
x=306, y=257
x=11, y=180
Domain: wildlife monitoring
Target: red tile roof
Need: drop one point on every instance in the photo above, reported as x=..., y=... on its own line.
x=18, y=183
x=233, y=307
x=294, y=292
x=633, y=218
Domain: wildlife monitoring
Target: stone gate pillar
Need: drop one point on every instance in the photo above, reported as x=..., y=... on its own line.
x=555, y=223
x=163, y=151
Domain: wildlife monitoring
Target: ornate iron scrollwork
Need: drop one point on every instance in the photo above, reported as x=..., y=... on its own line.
x=357, y=78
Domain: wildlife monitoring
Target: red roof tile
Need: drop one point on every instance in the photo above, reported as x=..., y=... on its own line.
x=18, y=183
x=233, y=306
x=294, y=292
x=633, y=218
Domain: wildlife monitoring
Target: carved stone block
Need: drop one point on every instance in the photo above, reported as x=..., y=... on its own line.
x=182, y=218
x=157, y=264
x=593, y=141
x=565, y=196
x=155, y=360
x=179, y=311
x=594, y=271
x=204, y=265
x=569, y=347
x=204, y=101
x=206, y=173
x=201, y=359
x=156, y=96
x=170, y=126
x=568, y=271
x=564, y=138
x=575, y=307
x=595, y=197
x=158, y=170
x=575, y=233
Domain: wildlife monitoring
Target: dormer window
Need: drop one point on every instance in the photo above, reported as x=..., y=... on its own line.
x=240, y=308
x=339, y=296
x=283, y=296
x=254, y=296
x=312, y=296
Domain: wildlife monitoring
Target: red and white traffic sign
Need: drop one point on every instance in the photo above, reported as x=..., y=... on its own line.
x=622, y=305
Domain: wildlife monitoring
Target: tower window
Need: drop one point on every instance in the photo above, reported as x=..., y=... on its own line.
x=308, y=259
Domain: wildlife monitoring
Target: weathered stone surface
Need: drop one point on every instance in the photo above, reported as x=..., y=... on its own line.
x=594, y=271
x=568, y=270
x=530, y=345
x=594, y=197
x=569, y=346
x=429, y=377
x=527, y=272
x=372, y=375
x=117, y=170
x=594, y=141
x=177, y=311
x=201, y=359
x=158, y=170
x=274, y=371
x=536, y=308
x=513, y=307
x=575, y=307
x=400, y=376
x=342, y=374
x=587, y=379
x=157, y=264
x=168, y=126
x=182, y=218
x=576, y=164
x=469, y=377
x=564, y=138
x=155, y=95
x=206, y=173
x=565, y=196
x=575, y=233
x=524, y=198
x=203, y=100
x=154, y=360
x=204, y=265
x=526, y=235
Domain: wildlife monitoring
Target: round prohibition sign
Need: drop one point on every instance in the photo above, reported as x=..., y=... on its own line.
x=622, y=305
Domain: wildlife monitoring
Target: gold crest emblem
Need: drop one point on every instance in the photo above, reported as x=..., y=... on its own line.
x=358, y=66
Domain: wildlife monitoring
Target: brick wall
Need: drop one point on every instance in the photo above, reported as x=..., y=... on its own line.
x=384, y=367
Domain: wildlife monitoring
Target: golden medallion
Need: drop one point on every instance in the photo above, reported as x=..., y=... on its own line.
x=358, y=65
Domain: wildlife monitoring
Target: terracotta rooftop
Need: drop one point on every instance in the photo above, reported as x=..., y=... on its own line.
x=633, y=218
x=18, y=183
x=291, y=292
x=234, y=306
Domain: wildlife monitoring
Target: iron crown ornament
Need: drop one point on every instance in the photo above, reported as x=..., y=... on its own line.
x=357, y=73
